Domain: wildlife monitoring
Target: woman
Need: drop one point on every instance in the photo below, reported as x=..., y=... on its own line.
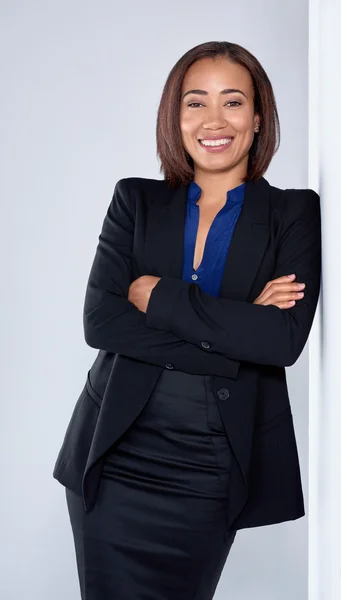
x=203, y=288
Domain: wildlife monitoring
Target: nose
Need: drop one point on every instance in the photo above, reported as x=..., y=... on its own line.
x=215, y=120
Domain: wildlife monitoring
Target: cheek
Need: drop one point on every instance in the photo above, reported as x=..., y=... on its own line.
x=242, y=124
x=188, y=124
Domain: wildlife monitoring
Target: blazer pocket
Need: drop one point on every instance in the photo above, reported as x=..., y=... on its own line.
x=73, y=454
x=92, y=392
x=285, y=415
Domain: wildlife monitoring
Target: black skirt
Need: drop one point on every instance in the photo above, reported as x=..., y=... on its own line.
x=158, y=530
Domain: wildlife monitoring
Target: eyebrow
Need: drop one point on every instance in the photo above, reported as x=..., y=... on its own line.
x=204, y=93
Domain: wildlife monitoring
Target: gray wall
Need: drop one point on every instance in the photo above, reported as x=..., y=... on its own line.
x=80, y=87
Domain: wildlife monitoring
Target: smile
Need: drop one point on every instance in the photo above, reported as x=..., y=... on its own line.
x=216, y=145
x=223, y=141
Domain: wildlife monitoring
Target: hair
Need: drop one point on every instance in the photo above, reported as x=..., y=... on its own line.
x=176, y=164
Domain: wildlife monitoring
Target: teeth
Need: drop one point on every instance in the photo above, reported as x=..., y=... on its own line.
x=221, y=142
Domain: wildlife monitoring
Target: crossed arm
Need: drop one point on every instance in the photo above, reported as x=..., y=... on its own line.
x=176, y=316
x=112, y=323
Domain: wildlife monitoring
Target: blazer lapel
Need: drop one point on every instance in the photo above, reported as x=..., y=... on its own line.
x=248, y=243
x=164, y=243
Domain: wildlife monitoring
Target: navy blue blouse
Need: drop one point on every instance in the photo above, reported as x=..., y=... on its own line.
x=210, y=271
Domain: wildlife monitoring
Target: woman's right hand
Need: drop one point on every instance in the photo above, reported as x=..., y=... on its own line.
x=282, y=292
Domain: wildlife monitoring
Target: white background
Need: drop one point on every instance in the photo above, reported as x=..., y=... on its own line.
x=324, y=361
x=80, y=87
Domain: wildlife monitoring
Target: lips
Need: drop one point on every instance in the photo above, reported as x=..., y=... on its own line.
x=215, y=138
x=217, y=147
x=215, y=142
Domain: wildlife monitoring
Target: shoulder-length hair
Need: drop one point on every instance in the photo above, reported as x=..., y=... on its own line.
x=176, y=164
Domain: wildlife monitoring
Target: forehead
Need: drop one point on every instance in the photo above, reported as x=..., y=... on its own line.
x=211, y=73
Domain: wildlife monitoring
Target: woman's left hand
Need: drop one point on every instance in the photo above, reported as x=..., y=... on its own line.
x=140, y=290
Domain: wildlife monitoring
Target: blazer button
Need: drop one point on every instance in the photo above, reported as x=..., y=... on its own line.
x=169, y=366
x=206, y=345
x=223, y=394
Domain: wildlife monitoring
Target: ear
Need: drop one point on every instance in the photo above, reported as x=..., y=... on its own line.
x=256, y=123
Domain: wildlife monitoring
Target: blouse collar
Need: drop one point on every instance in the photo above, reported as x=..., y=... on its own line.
x=236, y=195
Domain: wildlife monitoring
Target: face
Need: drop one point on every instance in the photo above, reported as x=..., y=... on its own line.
x=211, y=114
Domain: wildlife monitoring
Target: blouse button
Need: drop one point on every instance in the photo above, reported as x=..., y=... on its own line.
x=194, y=276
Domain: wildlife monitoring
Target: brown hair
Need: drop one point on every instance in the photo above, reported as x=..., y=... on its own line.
x=176, y=164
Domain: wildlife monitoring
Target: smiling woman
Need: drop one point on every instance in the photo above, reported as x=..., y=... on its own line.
x=217, y=91
x=223, y=123
x=184, y=433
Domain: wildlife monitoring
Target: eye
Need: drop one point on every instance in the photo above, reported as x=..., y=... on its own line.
x=235, y=102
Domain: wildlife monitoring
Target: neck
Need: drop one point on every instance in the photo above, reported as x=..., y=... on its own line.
x=215, y=185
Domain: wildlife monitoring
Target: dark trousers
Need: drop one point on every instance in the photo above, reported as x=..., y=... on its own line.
x=158, y=530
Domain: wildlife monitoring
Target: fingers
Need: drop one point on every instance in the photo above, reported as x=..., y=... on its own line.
x=283, y=279
x=277, y=297
x=282, y=292
x=281, y=295
x=281, y=288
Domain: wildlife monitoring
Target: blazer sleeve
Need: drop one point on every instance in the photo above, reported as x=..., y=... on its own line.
x=242, y=330
x=112, y=323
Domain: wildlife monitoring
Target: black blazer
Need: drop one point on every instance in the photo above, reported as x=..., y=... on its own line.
x=244, y=346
